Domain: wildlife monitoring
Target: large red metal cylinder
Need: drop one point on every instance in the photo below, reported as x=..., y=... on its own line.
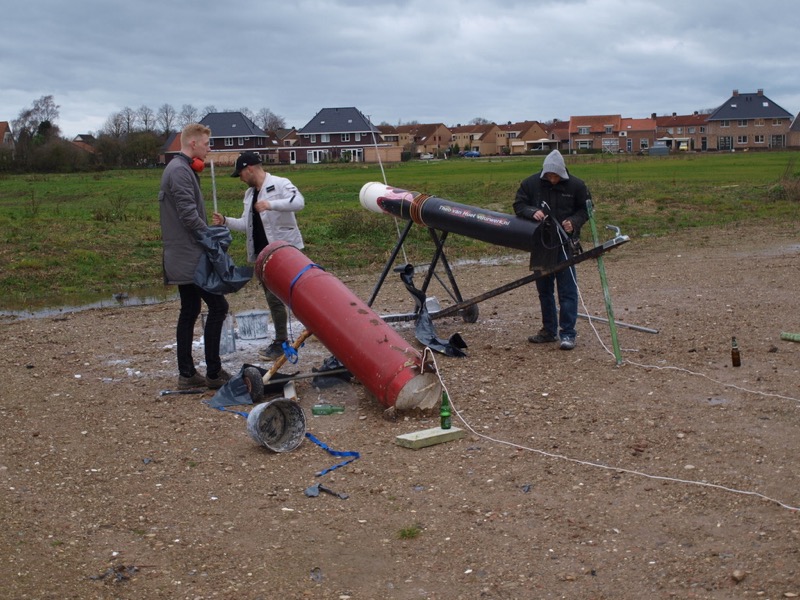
x=369, y=348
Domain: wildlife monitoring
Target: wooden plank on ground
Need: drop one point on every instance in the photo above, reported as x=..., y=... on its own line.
x=429, y=437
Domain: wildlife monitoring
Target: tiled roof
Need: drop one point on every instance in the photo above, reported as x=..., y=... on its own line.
x=638, y=125
x=596, y=123
x=231, y=124
x=749, y=106
x=338, y=120
x=681, y=120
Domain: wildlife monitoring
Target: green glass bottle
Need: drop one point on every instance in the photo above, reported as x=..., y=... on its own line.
x=444, y=412
x=326, y=409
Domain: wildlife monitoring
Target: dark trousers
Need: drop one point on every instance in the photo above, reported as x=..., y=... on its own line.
x=191, y=296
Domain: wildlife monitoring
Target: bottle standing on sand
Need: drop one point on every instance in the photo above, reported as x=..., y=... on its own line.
x=736, y=359
x=326, y=409
x=444, y=412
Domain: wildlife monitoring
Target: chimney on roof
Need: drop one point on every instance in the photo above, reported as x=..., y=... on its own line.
x=652, y=115
x=735, y=92
x=760, y=91
x=695, y=113
x=674, y=114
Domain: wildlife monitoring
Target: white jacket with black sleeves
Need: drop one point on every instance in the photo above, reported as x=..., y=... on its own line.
x=279, y=221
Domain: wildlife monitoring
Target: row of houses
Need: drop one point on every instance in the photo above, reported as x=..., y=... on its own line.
x=746, y=121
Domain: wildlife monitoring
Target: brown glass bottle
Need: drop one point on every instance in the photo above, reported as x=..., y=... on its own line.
x=736, y=358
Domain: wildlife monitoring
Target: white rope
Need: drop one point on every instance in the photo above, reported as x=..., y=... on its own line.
x=586, y=463
x=383, y=173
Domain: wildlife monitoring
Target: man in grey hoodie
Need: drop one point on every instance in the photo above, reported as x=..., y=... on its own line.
x=553, y=193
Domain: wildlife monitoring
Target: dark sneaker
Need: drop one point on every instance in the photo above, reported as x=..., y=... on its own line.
x=567, y=342
x=273, y=351
x=186, y=383
x=214, y=383
x=543, y=337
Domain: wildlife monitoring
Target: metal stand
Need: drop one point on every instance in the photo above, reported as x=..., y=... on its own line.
x=469, y=308
x=470, y=312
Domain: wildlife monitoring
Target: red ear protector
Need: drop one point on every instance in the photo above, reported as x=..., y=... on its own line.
x=197, y=165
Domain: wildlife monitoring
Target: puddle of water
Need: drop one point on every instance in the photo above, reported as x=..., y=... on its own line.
x=54, y=308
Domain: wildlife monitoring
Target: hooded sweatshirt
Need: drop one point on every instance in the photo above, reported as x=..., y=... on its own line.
x=565, y=200
x=554, y=163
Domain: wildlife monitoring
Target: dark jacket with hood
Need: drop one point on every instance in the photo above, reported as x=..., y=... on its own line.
x=565, y=200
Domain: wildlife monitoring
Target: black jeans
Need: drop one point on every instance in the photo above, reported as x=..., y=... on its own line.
x=191, y=295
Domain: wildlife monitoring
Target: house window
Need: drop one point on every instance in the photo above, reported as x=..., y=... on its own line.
x=584, y=144
x=241, y=141
x=345, y=137
x=758, y=122
x=211, y=143
x=725, y=142
x=742, y=139
x=702, y=129
x=324, y=138
x=742, y=122
x=584, y=130
x=314, y=140
x=229, y=141
x=644, y=143
x=670, y=131
x=758, y=139
x=691, y=129
x=725, y=123
x=777, y=122
x=680, y=130
x=609, y=129
x=358, y=137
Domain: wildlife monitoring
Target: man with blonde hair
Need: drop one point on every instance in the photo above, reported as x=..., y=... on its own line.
x=183, y=213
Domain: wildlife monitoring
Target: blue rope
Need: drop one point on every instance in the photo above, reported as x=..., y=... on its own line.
x=352, y=455
x=290, y=352
x=296, y=277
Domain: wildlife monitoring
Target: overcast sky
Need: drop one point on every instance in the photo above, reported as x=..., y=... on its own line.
x=446, y=61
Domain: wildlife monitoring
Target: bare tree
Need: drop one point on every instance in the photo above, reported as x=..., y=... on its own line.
x=128, y=116
x=208, y=110
x=269, y=121
x=189, y=114
x=166, y=118
x=479, y=121
x=114, y=126
x=146, y=117
x=30, y=119
x=248, y=113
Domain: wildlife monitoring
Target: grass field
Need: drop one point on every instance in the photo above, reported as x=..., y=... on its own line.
x=71, y=237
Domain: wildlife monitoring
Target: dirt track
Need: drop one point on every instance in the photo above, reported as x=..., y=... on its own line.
x=660, y=478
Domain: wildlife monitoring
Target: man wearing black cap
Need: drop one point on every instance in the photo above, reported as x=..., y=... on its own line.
x=268, y=216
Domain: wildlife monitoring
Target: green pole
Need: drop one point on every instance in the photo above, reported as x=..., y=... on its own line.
x=612, y=326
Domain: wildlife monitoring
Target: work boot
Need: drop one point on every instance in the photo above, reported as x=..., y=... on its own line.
x=567, y=342
x=196, y=380
x=273, y=351
x=214, y=383
x=543, y=337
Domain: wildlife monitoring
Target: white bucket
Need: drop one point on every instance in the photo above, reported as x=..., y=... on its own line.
x=279, y=425
x=253, y=324
x=227, y=341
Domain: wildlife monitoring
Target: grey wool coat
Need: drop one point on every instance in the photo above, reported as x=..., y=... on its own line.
x=183, y=212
